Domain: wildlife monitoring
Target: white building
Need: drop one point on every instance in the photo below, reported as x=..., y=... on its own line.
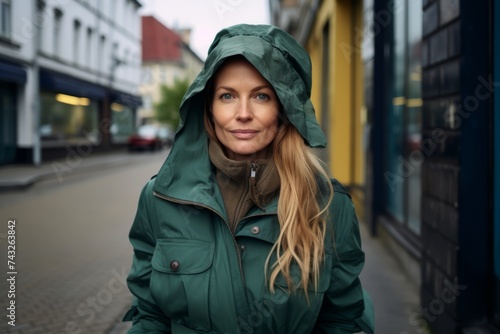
x=69, y=76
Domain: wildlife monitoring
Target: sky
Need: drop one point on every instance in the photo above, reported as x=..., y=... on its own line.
x=206, y=17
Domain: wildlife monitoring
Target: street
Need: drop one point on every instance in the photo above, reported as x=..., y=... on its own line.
x=72, y=253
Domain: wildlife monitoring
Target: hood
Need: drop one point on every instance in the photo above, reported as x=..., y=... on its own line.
x=280, y=60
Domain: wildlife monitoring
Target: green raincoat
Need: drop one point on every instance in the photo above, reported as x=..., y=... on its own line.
x=190, y=273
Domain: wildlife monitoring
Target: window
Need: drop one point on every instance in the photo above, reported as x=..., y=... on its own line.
x=8, y=123
x=100, y=57
x=57, y=32
x=40, y=22
x=124, y=63
x=67, y=118
x=163, y=75
x=76, y=41
x=88, y=49
x=5, y=18
x=114, y=58
x=122, y=125
x=146, y=76
x=404, y=118
x=147, y=102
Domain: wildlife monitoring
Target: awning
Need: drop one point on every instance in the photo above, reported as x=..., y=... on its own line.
x=12, y=72
x=65, y=84
x=132, y=101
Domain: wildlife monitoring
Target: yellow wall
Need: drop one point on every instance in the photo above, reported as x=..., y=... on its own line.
x=346, y=121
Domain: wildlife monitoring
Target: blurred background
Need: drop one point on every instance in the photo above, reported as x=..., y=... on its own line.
x=404, y=90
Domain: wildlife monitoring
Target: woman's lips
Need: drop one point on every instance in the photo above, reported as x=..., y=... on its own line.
x=244, y=134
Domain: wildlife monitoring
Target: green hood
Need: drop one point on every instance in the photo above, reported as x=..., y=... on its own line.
x=280, y=59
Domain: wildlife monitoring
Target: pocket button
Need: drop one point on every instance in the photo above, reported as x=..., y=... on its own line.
x=174, y=265
x=255, y=230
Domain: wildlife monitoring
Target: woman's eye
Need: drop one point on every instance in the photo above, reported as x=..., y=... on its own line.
x=262, y=97
x=226, y=96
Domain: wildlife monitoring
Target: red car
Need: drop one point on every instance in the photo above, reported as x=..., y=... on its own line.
x=147, y=137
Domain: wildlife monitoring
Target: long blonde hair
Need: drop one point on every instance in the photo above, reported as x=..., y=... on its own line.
x=301, y=210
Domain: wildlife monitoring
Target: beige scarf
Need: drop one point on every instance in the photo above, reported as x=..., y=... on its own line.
x=239, y=189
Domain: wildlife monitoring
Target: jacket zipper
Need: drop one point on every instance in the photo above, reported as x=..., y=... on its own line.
x=175, y=200
x=253, y=170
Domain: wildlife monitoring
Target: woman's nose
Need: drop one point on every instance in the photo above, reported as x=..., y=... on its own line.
x=244, y=112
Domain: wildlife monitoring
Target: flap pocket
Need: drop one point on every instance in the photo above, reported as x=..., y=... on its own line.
x=182, y=256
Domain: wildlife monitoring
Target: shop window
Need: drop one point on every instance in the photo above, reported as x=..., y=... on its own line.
x=8, y=139
x=404, y=118
x=67, y=119
x=122, y=125
x=5, y=18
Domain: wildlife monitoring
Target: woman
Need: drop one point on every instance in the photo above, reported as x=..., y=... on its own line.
x=241, y=231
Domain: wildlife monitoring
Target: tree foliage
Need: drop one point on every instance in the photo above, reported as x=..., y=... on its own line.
x=167, y=110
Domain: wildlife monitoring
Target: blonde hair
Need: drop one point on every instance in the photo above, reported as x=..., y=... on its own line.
x=302, y=220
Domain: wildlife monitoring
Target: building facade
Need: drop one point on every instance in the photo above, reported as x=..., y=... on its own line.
x=324, y=28
x=166, y=58
x=70, y=71
x=429, y=125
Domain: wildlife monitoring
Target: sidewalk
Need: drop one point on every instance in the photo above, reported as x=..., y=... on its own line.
x=395, y=296
x=19, y=176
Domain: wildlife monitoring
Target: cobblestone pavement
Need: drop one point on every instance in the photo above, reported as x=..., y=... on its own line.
x=72, y=249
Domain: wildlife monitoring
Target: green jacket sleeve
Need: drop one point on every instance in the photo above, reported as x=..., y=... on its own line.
x=145, y=315
x=346, y=307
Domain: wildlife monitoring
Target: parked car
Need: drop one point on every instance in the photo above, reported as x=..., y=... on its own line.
x=152, y=137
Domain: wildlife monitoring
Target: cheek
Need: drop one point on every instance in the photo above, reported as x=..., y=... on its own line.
x=274, y=122
x=218, y=129
x=218, y=117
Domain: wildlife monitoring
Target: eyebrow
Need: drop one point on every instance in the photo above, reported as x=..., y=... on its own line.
x=253, y=89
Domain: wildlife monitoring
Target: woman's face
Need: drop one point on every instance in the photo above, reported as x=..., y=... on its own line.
x=245, y=110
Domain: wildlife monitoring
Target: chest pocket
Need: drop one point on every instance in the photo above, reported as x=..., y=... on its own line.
x=180, y=280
